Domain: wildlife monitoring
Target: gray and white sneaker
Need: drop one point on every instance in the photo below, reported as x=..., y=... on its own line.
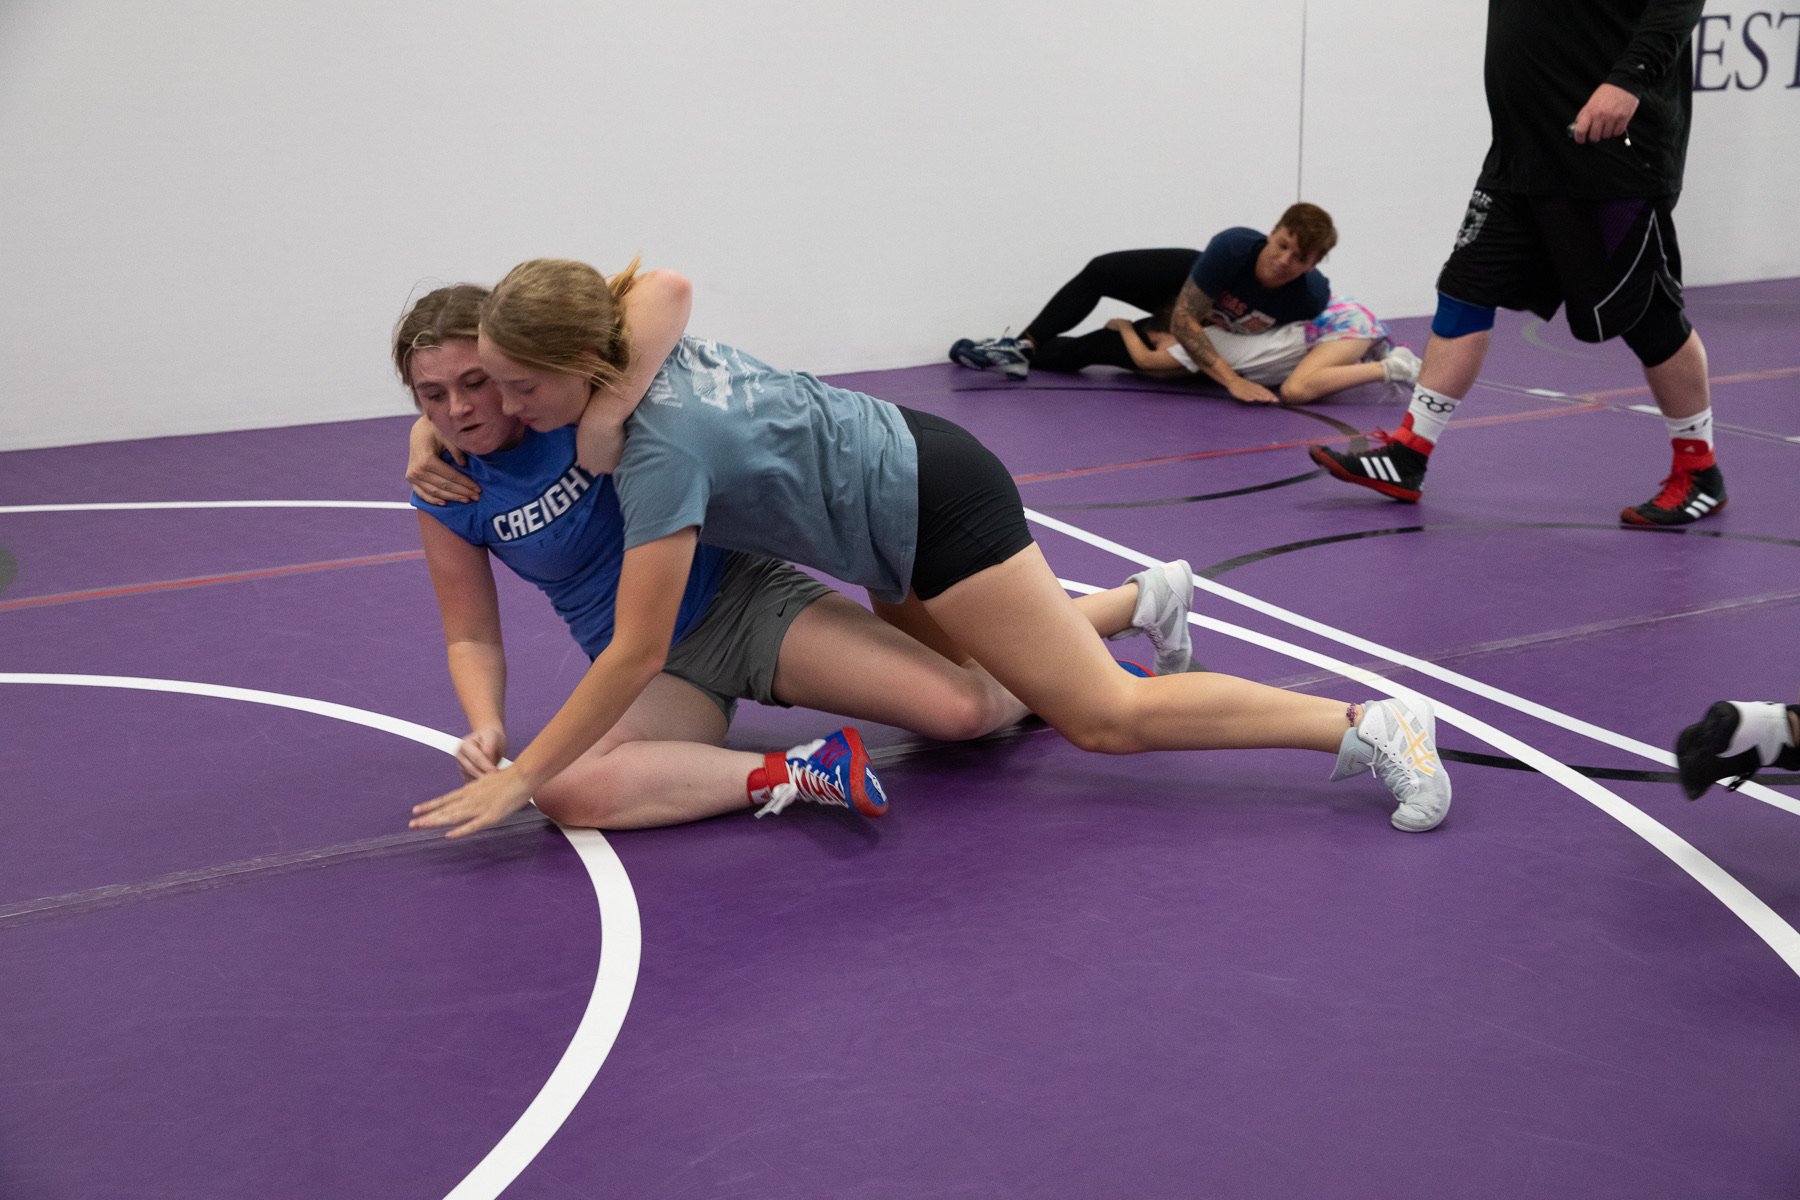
x=1005, y=355
x=1400, y=366
x=1165, y=597
x=1397, y=739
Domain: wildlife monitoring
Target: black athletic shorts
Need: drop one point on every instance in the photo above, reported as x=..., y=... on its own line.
x=1604, y=259
x=970, y=514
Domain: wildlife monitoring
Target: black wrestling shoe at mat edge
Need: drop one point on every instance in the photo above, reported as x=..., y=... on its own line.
x=1727, y=744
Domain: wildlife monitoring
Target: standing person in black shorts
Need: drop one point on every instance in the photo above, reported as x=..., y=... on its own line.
x=1590, y=102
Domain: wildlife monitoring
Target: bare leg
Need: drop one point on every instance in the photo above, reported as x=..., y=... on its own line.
x=839, y=657
x=1064, y=673
x=1109, y=612
x=1680, y=383
x=660, y=765
x=1452, y=364
x=1330, y=367
x=910, y=618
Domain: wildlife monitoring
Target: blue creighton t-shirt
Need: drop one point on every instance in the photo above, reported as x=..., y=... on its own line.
x=773, y=462
x=559, y=529
x=1226, y=271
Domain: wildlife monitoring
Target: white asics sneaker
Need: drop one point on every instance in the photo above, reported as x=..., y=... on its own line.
x=1401, y=366
x=1165, y=597
x=1397, y=739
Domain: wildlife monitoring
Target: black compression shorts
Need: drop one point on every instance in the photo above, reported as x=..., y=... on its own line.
x=970, y=514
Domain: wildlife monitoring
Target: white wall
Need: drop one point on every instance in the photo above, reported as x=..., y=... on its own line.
x=212, y=212
x=1395, y=131
x=1743, y=171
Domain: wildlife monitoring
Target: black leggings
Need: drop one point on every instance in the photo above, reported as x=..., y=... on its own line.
x=1148, y=279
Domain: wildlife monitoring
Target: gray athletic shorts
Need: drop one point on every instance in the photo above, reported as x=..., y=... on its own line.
x=731, y=654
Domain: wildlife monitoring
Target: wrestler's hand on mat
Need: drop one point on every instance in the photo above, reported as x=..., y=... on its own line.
x=1245, y=392
x=480, y=752
x=477, y=805
x=1606, y=114
x=435, y=480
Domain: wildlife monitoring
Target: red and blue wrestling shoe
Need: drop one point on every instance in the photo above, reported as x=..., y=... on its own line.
x=833, y=770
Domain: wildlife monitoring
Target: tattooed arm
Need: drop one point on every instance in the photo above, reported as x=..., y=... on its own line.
x=1188, y=324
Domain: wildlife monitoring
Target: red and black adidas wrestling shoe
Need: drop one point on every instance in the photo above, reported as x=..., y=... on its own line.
x=1395, y=469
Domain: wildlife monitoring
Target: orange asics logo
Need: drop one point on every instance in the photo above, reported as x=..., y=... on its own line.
x=1415, y=747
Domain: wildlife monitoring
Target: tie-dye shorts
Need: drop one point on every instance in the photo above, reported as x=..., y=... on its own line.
x=1345, y=318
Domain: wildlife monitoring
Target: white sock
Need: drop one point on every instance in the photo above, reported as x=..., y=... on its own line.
x=1697, y=428
x=1762, y=726
x=1430, y=412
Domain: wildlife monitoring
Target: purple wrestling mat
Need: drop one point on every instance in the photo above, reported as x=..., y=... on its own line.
x=231, y=971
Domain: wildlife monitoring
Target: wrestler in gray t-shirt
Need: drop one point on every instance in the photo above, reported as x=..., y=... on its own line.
x=773, y=462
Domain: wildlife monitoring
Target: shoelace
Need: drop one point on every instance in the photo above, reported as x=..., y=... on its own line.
x=817, y=784
x=1400, y=778
x=1006, y=344
x=803, y=780
x=780, y=796
x=1674, y=490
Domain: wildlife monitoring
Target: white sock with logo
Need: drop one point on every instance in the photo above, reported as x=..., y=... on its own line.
x=1697, y=428
x=1429, y=412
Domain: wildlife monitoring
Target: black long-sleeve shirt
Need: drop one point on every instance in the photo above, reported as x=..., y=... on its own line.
x=1544, y=60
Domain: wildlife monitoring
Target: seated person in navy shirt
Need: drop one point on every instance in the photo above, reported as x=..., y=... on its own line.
x=1250, y=312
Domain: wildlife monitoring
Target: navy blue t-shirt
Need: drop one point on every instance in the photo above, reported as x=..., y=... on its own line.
x=1226, y=271
x=559, y=529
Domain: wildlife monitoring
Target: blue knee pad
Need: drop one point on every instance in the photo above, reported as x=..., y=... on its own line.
x=1455, y=319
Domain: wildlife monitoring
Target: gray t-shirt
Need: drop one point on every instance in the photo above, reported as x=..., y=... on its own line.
x=773, y=462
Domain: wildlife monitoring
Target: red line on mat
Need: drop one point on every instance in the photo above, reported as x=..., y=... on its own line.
x=1499, y=419
x=165, y=585
x=1744, y=377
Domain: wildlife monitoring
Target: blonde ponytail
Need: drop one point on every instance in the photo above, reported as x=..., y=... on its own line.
x=556, y=314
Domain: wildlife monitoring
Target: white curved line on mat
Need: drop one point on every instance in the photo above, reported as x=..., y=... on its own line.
x=1455, y=679
x=620, y=947
x=1744, y=904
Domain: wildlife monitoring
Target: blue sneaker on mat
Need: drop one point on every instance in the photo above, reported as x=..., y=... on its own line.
x=834, y=770
x=1004, y=355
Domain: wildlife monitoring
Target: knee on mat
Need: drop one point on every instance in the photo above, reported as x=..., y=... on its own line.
x=974, y=712
x=595, y=802
x=959, y=727
x=1100, y=733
